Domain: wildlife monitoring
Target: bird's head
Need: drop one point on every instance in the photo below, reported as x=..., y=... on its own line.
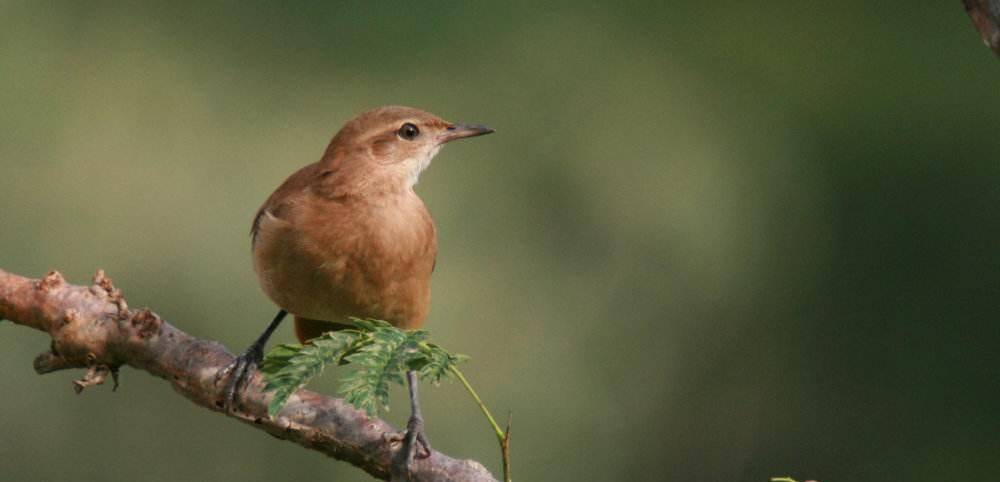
x=390, y=146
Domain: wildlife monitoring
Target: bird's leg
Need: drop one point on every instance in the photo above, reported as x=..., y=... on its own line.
x=243, y=367
x=414, y=428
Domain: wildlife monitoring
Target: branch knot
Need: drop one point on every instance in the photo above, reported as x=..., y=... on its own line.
x=53, y=279
x=96, y=375
x=146, y=323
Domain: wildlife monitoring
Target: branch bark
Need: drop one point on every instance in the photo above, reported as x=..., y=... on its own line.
x=92, y=327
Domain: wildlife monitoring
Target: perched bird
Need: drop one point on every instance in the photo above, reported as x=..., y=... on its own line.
x=347, y=236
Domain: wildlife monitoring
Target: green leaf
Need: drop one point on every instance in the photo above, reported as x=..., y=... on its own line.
x=278, y=357
x=371, y=325
x=378, y=364
x=378, y=355
x=437, y=363
x=288, y=367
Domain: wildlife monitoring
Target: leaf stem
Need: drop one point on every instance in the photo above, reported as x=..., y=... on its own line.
x=503, y=437
x=479, y=401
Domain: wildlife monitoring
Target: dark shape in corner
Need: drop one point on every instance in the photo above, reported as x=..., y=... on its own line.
x=985, y=16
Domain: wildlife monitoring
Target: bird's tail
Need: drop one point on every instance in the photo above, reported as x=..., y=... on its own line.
x=306, y=329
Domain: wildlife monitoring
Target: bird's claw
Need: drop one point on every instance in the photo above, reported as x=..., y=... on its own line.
x=414, y=446
x=237, y=375
x=415, y=433
x=400, y=438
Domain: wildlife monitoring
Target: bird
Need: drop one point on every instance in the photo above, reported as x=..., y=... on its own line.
x=347, y=236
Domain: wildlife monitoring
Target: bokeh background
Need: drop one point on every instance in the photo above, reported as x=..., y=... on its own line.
x=709, y=241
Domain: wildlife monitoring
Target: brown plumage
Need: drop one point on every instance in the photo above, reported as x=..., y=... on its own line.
x=347, y=236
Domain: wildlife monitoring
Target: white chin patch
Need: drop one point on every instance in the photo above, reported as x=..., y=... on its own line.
x=419, y=164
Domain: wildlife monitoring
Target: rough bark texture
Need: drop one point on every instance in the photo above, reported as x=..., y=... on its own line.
x=93, y=328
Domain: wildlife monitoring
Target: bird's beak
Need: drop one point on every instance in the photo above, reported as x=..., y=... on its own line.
x=461, y=131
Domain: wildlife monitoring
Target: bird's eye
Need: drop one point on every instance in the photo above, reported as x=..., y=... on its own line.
x=408, y=131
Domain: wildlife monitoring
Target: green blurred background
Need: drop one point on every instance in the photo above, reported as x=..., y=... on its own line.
x=709, y=241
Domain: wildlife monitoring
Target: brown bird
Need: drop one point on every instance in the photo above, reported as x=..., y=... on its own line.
x=347, y=236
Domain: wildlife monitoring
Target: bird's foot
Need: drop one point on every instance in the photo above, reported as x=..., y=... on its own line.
x=237, y=375
x=415, y=446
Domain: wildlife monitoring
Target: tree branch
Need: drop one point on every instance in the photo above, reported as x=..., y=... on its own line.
x=93, y=328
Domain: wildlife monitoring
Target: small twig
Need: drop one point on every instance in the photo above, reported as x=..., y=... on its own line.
x=503, y=437
x=505, y=449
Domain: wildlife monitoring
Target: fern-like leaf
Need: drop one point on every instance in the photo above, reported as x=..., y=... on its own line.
x=377, y=352
x=437, y=363
x=288, y=367
x=378, y=364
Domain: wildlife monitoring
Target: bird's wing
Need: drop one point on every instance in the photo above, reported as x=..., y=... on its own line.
x=280, y=200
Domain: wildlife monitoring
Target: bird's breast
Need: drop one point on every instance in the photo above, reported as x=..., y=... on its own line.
x=331, y=260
